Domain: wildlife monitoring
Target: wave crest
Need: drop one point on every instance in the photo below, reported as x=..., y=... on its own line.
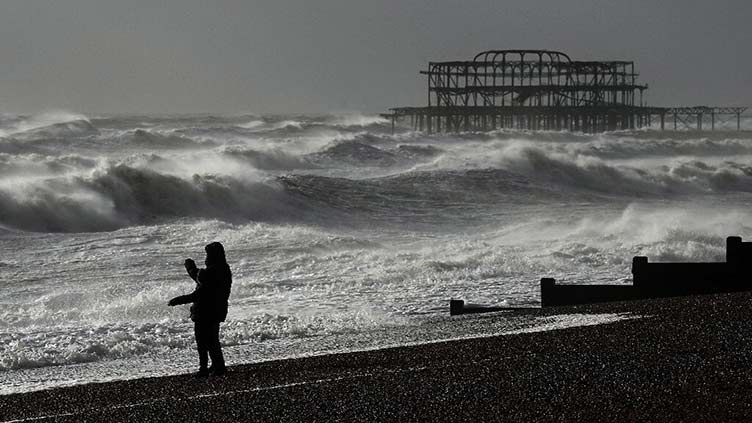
x=269, y=160
x=120, y=195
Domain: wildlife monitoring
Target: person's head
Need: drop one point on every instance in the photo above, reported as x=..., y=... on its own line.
x=215, y=254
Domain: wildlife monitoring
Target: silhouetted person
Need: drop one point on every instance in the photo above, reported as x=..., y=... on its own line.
x=209, y=306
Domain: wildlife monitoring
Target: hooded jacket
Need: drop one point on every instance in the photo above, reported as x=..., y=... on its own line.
x=213, y=285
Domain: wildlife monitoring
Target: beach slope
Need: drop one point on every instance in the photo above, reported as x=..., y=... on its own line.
x=675, y=359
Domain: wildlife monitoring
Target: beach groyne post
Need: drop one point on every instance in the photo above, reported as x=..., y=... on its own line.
x=734, y=250
x=738, y=258
x=547, y=287
x=456, y=307
x=639, y=264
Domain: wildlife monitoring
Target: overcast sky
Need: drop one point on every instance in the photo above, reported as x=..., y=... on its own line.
x=277, y=56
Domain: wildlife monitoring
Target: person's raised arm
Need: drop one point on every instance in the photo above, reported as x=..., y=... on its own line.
x=192, y=269
x=193, y=272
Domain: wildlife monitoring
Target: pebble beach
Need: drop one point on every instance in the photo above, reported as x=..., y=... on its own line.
x=673, y=359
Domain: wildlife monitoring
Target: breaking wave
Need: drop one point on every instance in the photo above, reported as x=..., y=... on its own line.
x=686, y=176
x=154, y=140
x=50, y=124
x=359, y=153
x=131, y=192
x=34, y=165
x=269, y=160
x=71, y=173
x=119, y=195
x=73, y=129
x=334, y=224
x=629, y=147
x=73, y=345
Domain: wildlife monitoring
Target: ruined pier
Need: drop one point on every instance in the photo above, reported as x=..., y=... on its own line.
x=545, y=90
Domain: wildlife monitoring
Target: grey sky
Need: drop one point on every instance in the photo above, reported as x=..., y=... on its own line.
x=176, y=56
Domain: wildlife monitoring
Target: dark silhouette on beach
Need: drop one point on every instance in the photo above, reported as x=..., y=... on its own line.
x=209, y=306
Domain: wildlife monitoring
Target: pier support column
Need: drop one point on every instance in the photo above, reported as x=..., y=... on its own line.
x=738, y=121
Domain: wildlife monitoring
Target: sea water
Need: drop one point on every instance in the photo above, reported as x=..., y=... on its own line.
x=341, y=234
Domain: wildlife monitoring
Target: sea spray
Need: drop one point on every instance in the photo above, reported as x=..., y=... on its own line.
x=339, y=232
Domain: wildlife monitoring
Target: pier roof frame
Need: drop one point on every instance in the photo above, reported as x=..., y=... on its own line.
x=541, y=89
x=553, y=55
x=527, y=78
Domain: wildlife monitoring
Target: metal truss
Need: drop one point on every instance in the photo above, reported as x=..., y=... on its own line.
x=537, y=89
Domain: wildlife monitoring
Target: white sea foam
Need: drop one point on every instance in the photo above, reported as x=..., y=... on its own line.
x=356, y=119
x=41, y=120
x=251, y=124
x=338, y=231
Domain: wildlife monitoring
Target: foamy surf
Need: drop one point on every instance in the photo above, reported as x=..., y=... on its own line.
x=340, y=233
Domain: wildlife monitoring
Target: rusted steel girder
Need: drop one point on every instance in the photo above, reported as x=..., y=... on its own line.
x=539, y=89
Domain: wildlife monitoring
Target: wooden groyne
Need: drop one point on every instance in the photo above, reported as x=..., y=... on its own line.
x=656, y=280
x=651, y=280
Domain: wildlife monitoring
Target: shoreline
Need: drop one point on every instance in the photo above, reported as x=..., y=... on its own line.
x=421, y=330
x=685, y=358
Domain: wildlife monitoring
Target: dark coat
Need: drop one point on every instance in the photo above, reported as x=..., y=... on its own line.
x=209, y=300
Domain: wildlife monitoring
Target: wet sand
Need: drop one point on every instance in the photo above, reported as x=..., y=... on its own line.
x=685, y=359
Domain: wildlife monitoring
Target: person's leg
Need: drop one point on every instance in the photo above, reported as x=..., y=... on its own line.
x=215, y=349
x=200, y=331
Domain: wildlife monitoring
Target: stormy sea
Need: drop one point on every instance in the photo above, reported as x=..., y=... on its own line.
x=342, y=235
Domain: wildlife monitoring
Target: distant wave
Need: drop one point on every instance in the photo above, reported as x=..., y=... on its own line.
x=588, y=173
x=80, y=135
x=120, y=195
x=199, y=128
x=355, y=153
x=55, y=124
x=72, y=129
x=416, y=194
x=39, y=164
x=149, y=139
x=297, y=125
x=256, y=123
x=628, y=147
x=350, y=120
x=107, y=173
x=358, y=152
x=269, y=160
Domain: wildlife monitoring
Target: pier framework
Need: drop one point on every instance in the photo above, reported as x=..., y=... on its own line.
x=543, y=90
